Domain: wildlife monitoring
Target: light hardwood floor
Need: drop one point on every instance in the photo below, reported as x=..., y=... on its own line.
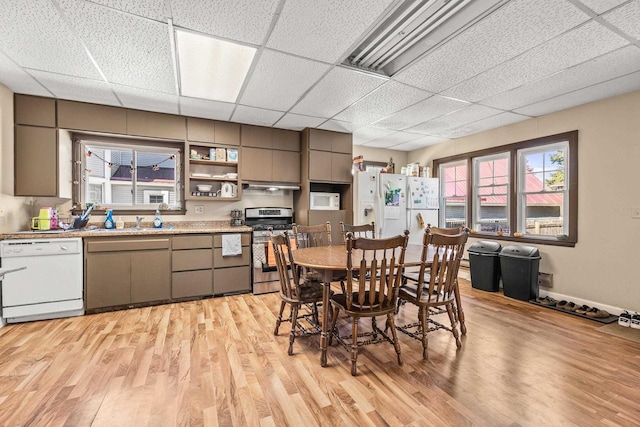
x=216, y=362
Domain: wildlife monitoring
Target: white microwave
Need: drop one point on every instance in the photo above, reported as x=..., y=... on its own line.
x=324, y=201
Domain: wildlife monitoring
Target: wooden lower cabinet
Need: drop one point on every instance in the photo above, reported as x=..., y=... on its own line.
x=231, y=280
x=150, y=278
x=192, y=266
x=191, y=283
x=108, y=279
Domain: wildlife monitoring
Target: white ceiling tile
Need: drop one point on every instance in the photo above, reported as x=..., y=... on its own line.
x=416, y=144
x=324, y=29
x=340, y=88
x=76, y=88
x=385, y=100
x=486, y=124
x=604, y=90
x=140, y=99
x=19, y=81
x=35, y=36
x=421, y=112
x=279, y=80
x=581, y=44
x=369, y=133
x=514, y=28
x=339, y=126
x=205, y=108
x=463, y=116
x=129, y=50
x=256, y=116
x=601, y=6
x=247, y=21
x=615, y=64
x=153, y=9
x=626, y=18
x=299, y=122
x=394, y=139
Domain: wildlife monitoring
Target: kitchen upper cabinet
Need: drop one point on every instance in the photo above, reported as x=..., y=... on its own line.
x=34, y=110
x=257, y=164
x=256, y=136
x=320, y=139
x=227, y=133
x=320, y=165
x=158, y=125
x=203, y=130
x=286, y=166
x=286, y=140
x=91, y=117
x=328, y=155
x=36, y=161
x=341, y=165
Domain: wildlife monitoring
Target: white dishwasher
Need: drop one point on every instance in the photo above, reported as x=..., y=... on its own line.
x=50, y=286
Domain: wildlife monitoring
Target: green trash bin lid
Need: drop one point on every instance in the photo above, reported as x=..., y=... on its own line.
x=484, y=247
x=520, y=251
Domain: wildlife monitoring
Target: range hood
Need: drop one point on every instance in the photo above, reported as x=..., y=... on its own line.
x=269, y=186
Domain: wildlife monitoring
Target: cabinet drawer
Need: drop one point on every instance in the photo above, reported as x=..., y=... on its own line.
x=191, y=283
x=227, y=280
x=217, y=240
x=117, y=245
x=195, y=259
x=231, y=261
x=192, y=242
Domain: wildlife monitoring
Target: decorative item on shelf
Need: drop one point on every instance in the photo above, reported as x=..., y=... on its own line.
x=358, y=163
x=236, y=217
x=221, y=155
x=231, y=175
x=232, y=155
x=203, y=188
x=391, y=167
x=517, y=234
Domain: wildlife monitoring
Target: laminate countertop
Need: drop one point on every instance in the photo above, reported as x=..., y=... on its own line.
x=185, y=227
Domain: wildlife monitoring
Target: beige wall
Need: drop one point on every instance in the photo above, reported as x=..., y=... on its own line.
x=602, y=266
x=381, y=155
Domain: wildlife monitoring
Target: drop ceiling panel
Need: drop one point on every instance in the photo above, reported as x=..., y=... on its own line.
x=153, y=9
x=418, y=113
x=34, y=36
x=387, y=99
x=205, y=108
x=626, y=18
x=247, y=21
x=493, y=122
x=129, y=50
x=416, y=144
x=581, y=44
x=16, y=79
x=513, y=29
x=394, y=139
x=601, y=6
x=336, y=91
x=339, y=126
x=299, y=122
x=255, y=116
x=279, y=80
x=324, y=30
x=612, y=65
x=466, y=115
x=600, y=91
x=140, y=99
x=76, y=88
x=369, y=133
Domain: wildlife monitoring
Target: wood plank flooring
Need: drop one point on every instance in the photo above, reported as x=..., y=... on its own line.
x=216, y=362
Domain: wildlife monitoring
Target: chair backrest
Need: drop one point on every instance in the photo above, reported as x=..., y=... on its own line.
x=384, y=260
x=446, y=231
x=367, y=230
x=289, y=279
x=308, y=236
x=445, y=252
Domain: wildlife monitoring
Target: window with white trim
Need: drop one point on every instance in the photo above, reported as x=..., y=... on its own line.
x=491, y=193
x=453, y=194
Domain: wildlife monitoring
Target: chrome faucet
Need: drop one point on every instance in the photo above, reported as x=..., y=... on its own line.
x=138, y=221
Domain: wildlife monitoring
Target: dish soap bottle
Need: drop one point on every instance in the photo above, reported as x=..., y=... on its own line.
x=108, y=221
x=157, y=220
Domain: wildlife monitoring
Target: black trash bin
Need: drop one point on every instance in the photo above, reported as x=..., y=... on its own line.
x=484, y=265
x=520, y=266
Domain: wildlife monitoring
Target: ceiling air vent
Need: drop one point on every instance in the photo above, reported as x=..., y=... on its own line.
x=401, y=37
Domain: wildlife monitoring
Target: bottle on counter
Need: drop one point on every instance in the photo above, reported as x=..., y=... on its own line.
x=119, y=223
x=157, y=220
x=108, y=221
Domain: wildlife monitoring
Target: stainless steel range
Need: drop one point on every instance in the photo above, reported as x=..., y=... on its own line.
x=265, y=275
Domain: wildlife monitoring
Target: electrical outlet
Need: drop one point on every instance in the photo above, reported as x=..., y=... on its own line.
x=1, y=213
x=545, y=279
x=199, y=209
x=635, y=212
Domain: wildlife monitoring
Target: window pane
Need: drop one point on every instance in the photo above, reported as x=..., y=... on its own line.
x=454, y=195
x=534, y=182
x=156, y=178
x=544, y=214
x=110, y=169
x=491, y=189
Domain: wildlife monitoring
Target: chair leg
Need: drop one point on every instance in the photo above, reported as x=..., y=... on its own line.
x=374, y=328
x=454, y=328
x=394, y=334
x=294, y=322
x=315, y=313
x=354, y=345
x=279, y=319
x=423, y=314
x=332, y=325
x=459, y=312
x=342, y=287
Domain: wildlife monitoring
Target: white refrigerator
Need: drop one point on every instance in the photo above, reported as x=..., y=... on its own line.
x=422, y=206
x=381, y=198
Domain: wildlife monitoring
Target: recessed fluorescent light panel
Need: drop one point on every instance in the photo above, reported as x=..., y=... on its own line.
x=211, y=68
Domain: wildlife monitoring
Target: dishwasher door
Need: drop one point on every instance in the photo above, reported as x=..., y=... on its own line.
x=52, y=283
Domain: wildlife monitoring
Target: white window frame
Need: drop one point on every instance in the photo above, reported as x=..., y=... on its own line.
x=441, y=173
x=475, y=183
x=522, y=194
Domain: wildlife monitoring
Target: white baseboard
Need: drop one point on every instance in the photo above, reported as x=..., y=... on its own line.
x=611, y=309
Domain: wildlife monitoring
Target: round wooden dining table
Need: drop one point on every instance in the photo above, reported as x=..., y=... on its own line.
x=328, y=259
